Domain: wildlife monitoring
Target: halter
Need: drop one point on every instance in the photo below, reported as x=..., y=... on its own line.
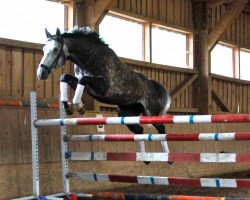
x=55, y=61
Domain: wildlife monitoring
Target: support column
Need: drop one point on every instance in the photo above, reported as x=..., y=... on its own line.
x=202, y=86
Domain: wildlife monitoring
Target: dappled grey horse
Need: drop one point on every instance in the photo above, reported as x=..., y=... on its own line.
x=101, y=73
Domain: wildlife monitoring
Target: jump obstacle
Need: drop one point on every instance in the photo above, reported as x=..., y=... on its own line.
x=149, y=180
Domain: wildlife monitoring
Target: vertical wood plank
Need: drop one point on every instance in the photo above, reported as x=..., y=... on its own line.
x=229, y=98
x=11, y=136
x=39, y=85
x=128, y=5
x=8, y=71
x=162, y=10
x=29, y=72
x=121, y=4
x=248, y=32
x=56, y=83
x=134, y=6
x=170, y=11
x=144, y=7
x=2, y=70
x=17, y=72
x=155, y=8
x=246, y=29
x=149, y=8
x=233, y=27
x=190, y=16
x=177, y=12
x=25, y=135
x=139, y=7
x=248, y=99
x=238, y=29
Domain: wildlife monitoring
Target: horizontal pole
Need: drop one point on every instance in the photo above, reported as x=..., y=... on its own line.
x=131, y=196
x=26, y=104
x=161, y=180
x=160, y=157
x=168, y=119
x=161, y=137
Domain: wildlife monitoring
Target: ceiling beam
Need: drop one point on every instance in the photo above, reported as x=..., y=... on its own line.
x=227, y=19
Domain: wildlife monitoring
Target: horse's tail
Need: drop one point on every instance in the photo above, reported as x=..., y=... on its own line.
x=164, y=97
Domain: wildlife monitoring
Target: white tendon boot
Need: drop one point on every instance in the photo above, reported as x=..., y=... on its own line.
x=64, y=98
x=141, y=148
x=164, y=145
x=77, y=100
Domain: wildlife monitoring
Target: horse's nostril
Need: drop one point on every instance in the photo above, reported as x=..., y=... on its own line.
x=42, y=73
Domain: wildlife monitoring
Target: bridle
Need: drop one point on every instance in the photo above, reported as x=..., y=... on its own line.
x=50, y=69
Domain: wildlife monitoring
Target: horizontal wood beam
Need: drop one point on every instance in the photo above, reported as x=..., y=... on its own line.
x=230, y=15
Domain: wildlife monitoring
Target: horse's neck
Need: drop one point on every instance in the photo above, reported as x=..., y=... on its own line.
x=84, y=55
x=79, y=52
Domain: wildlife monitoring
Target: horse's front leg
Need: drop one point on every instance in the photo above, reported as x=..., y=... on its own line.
x=96, y=83
x=66, y=80
x=77, y=100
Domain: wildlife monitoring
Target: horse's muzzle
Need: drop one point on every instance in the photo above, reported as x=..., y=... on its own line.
x=43, y=72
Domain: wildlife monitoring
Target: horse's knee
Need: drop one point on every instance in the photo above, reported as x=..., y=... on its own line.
x=65, y=78
x=71, y=80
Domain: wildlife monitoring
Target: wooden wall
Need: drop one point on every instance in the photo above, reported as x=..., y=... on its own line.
x=177, y=12
x=18, y=64
x=230, y=95
x=238, y=32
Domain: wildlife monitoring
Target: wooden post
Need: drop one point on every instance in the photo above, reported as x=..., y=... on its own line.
x=90, y=12
x=202, y=86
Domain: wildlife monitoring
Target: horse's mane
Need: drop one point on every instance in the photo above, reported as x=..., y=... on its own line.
x=84, y=32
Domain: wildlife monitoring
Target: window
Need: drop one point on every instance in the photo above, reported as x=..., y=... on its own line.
x=169, y=47
x=26, y=20
x=140, y=40
x=222, y=60
x=245, y=65
x=125, y=37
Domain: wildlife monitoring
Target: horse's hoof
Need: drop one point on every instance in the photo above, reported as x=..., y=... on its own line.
x=69, y=108
x=147, y=162
x=170, y=162
x=80, y=108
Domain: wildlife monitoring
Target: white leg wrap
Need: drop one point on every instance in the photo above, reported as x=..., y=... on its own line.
x=164, y=146
x=141, y=146
x=78, y=94
x=63, y=91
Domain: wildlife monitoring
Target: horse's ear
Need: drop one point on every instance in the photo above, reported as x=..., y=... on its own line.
x=47, y=33
x=58, y=33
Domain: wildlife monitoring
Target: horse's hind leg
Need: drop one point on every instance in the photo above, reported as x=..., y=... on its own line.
x=66, y=79
x=133, y=110
x=160, y=127
x=161, y=130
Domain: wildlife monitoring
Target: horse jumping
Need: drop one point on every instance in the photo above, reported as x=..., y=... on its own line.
x=100, y=72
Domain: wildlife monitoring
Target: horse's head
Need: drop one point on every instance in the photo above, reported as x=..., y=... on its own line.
x=54, y=55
